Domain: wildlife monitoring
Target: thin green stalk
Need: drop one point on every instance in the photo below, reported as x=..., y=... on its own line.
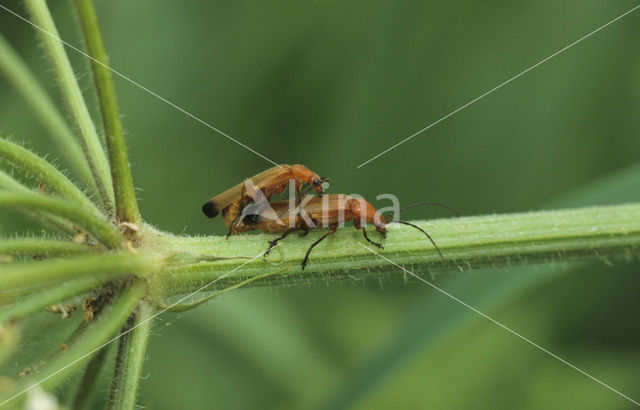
x=8, y=183
x=43, y=171
x=94, y=223
x=9, y=296
x=107, y=265
x=131, y=355
x=42, y=247
x=91, y=145
x=49, y=296
x=84, y=345
x=605, y=233
x=89, y=378
x=11, y=184
x=125, y=197
x=26, y=83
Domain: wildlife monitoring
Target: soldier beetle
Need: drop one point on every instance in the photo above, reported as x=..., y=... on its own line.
x=329, y=211
x=270, y=182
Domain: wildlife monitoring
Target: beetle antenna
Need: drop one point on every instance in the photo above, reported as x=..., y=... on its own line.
x=303, y=193
x=452, y=209
x=424, y=232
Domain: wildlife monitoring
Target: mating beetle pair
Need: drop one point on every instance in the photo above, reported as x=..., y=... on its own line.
x=322, y=211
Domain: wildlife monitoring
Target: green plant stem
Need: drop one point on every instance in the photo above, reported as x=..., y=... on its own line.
x=83, y=345
x=49, y=296
x=93, y=222
x=125, y=198
x=42, y=247
x=11, y=184
x=91, y=145
x=8, y=183
x=17, y=295
x=88, y=379
x=131, y=355
x=25, y=82
x=44, y=172
x=605, y=233
x=107, y=265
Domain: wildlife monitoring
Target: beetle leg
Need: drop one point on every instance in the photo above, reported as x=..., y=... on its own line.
x=304, y=232
x=232, y=226
x=364, y=232
x=299, y=201
x=236, y=220
x=331, y=230
x=274, y=242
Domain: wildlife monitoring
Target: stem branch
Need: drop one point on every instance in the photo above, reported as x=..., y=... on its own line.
x=43, y=171
x=81, y=346
x=131, y=355
x=108, y=265
x=40, y=300
x=125, y=198
x=25, y=82
x=89, y=379
x=42, y=247
x=90, y=141
x=92, y=222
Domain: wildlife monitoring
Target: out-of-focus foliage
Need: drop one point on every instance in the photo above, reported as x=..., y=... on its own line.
x=331, y=84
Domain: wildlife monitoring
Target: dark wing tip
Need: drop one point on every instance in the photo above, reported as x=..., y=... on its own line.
x=209, y=209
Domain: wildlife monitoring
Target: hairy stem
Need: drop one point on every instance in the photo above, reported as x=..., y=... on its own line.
x=131, y=355
x=49, y=296
x=42, y=247
x=25, y=82
x=44, y=172
x=88, y=380
x=109, y=265
x=81, y=346
x=125, y=198
x=93, y=222
x=606, y=232
x=91, y=145
x=9, y=183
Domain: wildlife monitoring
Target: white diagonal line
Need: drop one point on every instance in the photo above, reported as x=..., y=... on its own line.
x=206, y=124
x=500, y=86
x=129, y=330
x=500, y=324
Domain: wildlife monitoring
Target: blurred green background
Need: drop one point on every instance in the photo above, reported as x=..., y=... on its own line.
x=329, y=85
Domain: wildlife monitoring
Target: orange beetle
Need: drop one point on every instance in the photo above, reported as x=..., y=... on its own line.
x=329, y=211
x=270, y=182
